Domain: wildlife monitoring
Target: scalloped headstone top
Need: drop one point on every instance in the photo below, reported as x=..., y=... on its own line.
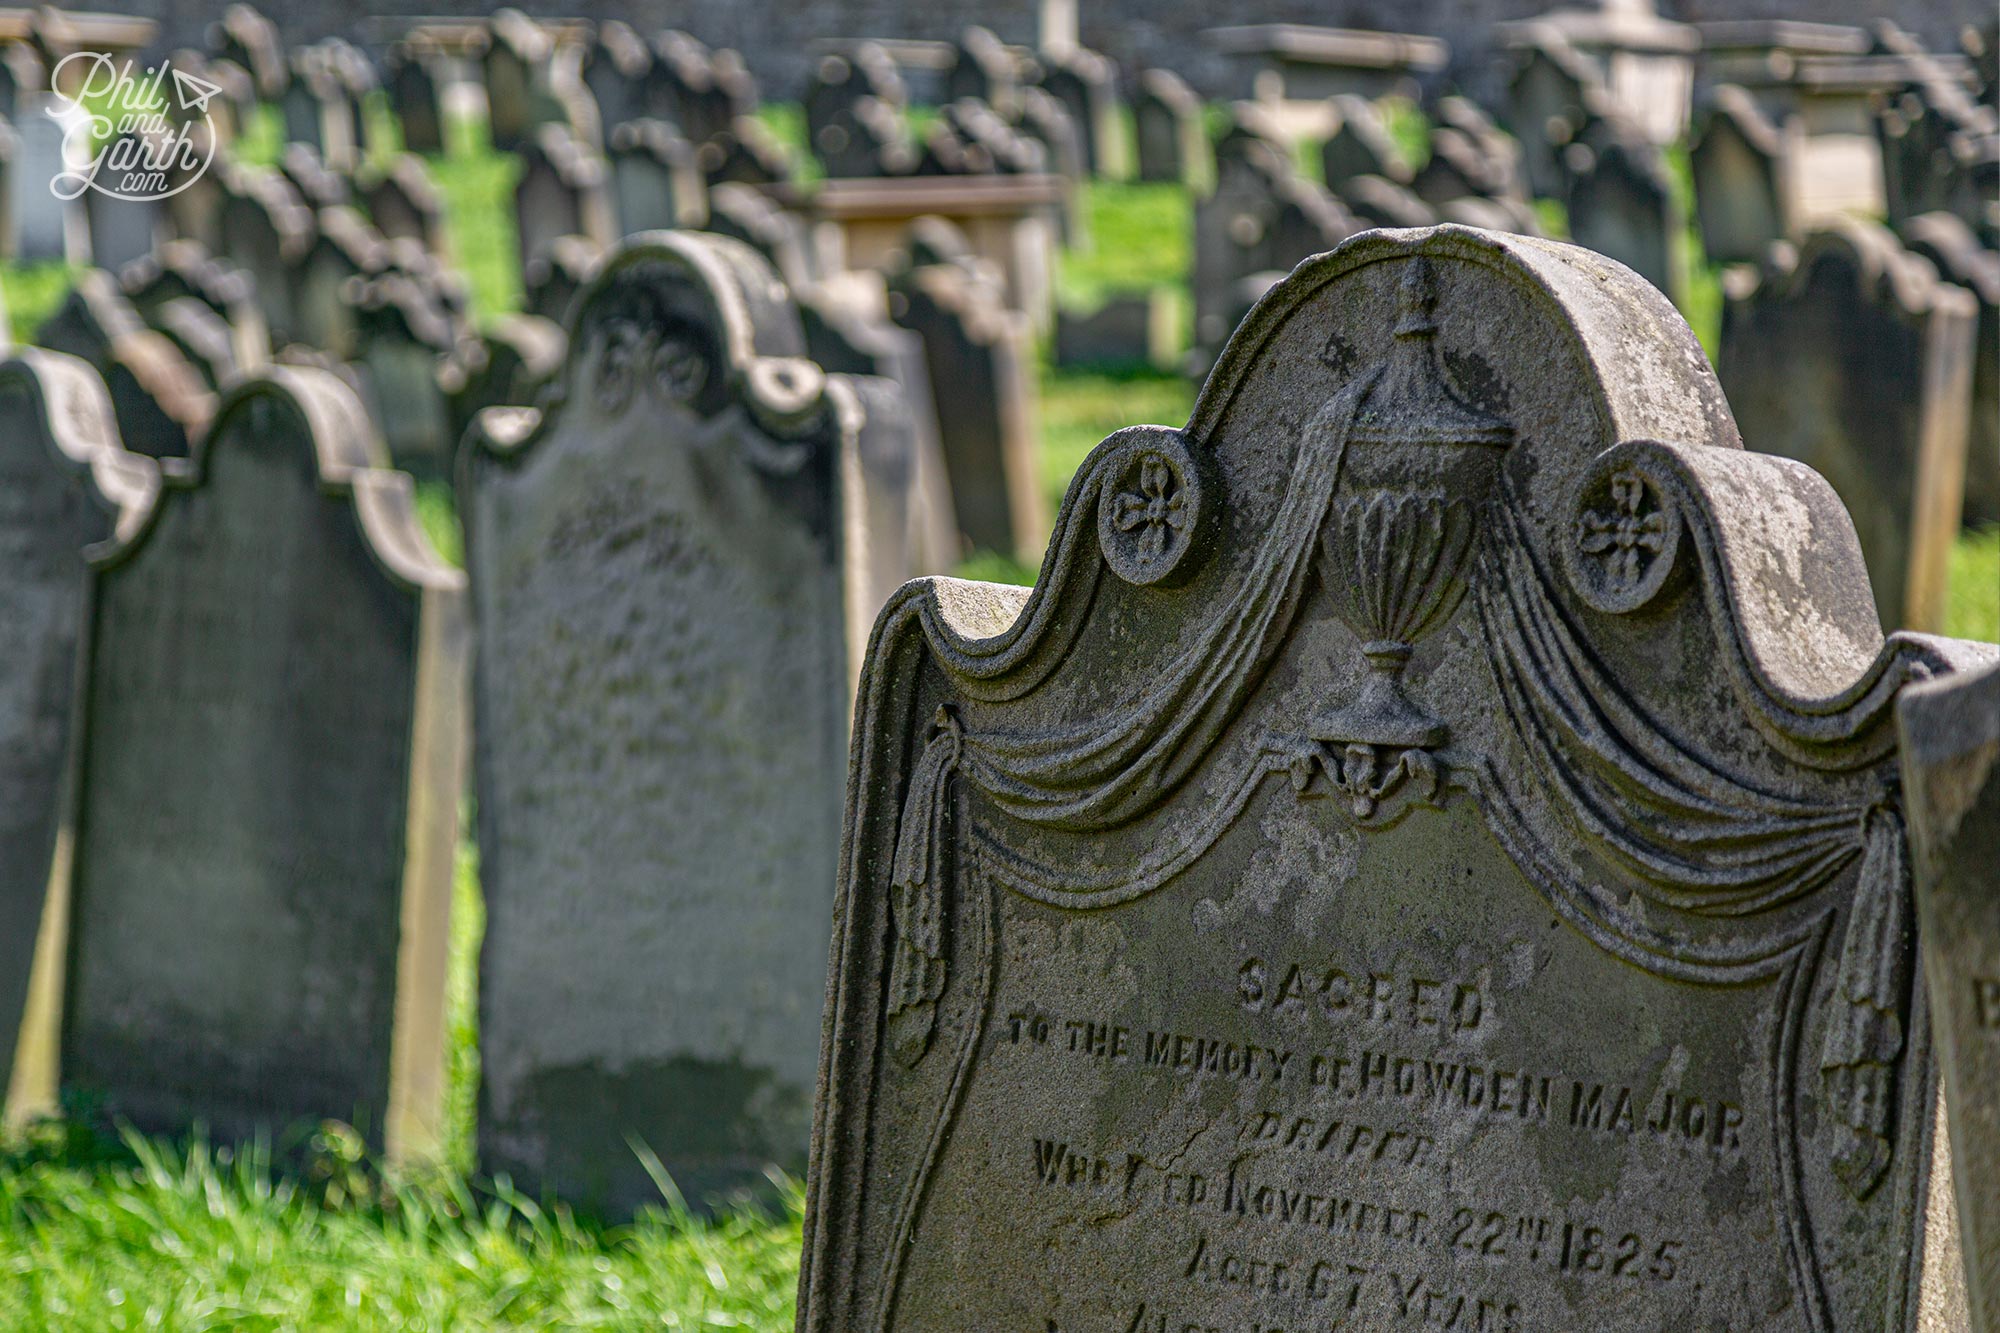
x=1426, y=854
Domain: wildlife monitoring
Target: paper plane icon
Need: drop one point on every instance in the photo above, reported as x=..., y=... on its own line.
x=194, y=93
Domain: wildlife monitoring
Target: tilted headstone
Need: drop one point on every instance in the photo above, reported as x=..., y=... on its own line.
x=345, y=247
x=161, y=401
x=656, y=182
x=835, y=92
x=1378, y=202
x=1621, y=203
x=121, y=230
x=1086, y=83
x=848, y=332
x=317, y=111
x=1552, y=93
x=695, y=88
x=415, y=97
x=506, y=365
x=659, y=827
x=201, y=336
x=1457, y=167
x=1170, y=139
x=1426, y=855
x=564, y=190
x=615, y=70
x=515, y=70
x=752, y=217
x=48, y=225
x=66, y=489
x=556, y=273
x=1950, y=733
x=1738, y=163
x=316, y=184
x=745, y=152
x=272, y=761
x=400, y=336
x=983, y=69
x=1261, y=217
x=1360, y=145
x=267, y=230
x=183, y=269
x=1950, y=244
x=980, y=358
x=403, y=202
x=248, y=39
x=1851, y=356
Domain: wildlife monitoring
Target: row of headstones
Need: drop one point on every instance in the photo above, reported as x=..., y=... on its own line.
x=239, y=736
x=1846, y=352
x=236, y=733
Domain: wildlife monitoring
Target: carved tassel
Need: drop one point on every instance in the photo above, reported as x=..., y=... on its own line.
x=1865, y=1032
x=917, y=969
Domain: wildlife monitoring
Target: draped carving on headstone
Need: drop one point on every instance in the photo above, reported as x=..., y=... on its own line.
x=1443, y=799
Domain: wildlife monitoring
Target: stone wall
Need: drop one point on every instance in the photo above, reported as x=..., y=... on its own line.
x=776, y=36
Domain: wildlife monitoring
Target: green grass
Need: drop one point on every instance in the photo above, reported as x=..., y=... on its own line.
x=34, y=292
x=477, y=187
x=1141, y=237
x=136, y=1235
x=1973, y=611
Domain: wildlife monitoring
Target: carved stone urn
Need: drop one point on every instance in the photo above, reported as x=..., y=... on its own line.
x=1420, y=463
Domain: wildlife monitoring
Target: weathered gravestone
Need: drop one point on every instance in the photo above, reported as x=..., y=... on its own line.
x=656, y=182
x=1851, y=356
x=66, y=488
x=564, y=190
x=271, y=769
x=1951, y=780
x=1622, y=204
x=414, y=97
x=1945, y=240
x=1170, y=141
x=1360, y=145
x=1425, y=856
x=674, y=572
x=1739, y=167
x=979, y=356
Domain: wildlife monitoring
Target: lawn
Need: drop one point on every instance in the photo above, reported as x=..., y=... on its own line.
x=103, y=1234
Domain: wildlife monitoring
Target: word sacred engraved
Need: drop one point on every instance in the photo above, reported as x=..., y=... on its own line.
x=1377, y=997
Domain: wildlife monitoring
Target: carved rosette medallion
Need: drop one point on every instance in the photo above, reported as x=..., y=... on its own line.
x=1420, y=461
x=1626, y=538
x=1151, y=510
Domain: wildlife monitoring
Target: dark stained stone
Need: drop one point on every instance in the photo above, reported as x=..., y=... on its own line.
x=66, y=489
x=1262, y=217
x=272, y=755
x=1737, y=160
x=656, y=182
x=403, y=202
x=980, y=359
x=1360, y=145
x=1621, y=204
x=1170, y=141
x=1951, y=782
x=556, y=273
x=564, y=190
x=1949, y=243
x=1428, y=852
x=415, y=97
x=659, y=826
x=1852, y=357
